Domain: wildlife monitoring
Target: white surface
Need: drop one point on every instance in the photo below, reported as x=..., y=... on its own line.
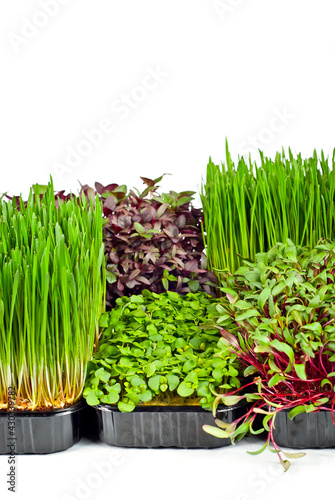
x=92, y=471
x=231, y=68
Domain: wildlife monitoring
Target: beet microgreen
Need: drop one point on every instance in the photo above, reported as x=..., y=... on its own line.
x=278, y=318
x=157, y=348
x=248, y=208
x=52, y=291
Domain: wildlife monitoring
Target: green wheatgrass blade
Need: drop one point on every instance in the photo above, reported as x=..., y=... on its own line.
x=249, y=208
x=52, y=292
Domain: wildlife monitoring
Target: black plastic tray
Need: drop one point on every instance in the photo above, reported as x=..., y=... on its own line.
x=160, y=426
x=42, y=432
x=306, y=430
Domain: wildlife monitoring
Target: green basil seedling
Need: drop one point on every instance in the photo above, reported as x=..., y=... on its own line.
x=161, y=349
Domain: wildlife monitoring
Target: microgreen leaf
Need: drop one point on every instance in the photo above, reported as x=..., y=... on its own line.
x=216, y=432
x=300, y=371
x=258, y=451
x=92, y=398
x=296, y=410
x=294, y=455
x=126, y=407
x=184, y=390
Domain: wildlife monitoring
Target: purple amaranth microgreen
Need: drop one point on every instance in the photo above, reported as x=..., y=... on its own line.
x=152, y=242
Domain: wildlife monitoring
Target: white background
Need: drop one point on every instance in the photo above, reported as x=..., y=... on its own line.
x=259, y=72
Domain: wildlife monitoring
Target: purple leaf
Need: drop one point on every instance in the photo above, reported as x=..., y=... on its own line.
x=131, y=284
x=109, y=205
x=191, y=265
x=124, y=221
x=230, y=337
x=99, y=187
x=181, y=221
x=171, y=230
x=135, y=273
x=162, y=209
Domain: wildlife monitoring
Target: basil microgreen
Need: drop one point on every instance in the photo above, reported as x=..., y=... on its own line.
x=164, y=348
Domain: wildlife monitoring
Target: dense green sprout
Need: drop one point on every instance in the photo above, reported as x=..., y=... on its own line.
x=161, y=348
x=52, y=292
x=248, y=208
